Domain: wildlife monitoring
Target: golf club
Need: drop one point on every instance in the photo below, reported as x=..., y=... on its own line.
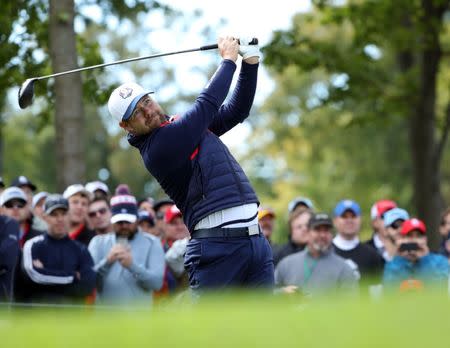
x=26, y=91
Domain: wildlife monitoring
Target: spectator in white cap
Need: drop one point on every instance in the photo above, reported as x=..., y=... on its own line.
x=37, y=209
x=13, y=202
x=129, y=263
x=98, y=189
x=79, y=199
x=300, y=203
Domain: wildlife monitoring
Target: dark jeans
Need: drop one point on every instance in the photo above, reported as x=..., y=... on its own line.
x=229, y=262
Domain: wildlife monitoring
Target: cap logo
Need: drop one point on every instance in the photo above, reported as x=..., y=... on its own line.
x=414, y=222
x=123, y=211
x=22, y=179
x=125, y=92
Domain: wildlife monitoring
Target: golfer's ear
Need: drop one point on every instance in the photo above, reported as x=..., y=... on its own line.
x=124, y=125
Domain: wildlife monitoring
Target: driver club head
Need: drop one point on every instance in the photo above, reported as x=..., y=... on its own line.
x=26, y=93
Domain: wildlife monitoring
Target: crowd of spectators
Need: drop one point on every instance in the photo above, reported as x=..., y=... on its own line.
x=90, y=246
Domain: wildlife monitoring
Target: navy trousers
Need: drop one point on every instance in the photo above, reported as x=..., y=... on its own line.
x=229, y=262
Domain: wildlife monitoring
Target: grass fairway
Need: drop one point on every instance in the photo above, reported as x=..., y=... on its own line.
x=242, y=320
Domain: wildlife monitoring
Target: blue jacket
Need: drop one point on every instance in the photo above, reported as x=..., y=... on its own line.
x=9, y=252
x=57, y=280
x=187, y=157
x=430, y=269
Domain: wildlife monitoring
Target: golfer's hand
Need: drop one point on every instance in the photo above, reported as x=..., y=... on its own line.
x=250, y=53
x=228, y=48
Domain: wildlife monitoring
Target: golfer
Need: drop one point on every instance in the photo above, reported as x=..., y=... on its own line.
x=198, y=172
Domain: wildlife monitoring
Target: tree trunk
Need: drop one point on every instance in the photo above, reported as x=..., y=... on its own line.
x=69, y=113
x=425, y=156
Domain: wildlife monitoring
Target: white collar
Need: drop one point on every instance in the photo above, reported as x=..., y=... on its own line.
x=345, y=244
x=377, y=241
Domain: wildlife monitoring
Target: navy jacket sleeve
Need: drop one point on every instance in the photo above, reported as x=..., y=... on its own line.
x=237, y=109
x=179, y=138
x=9, y=252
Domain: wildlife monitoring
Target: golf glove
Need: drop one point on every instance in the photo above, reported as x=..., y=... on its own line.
x=246, y=50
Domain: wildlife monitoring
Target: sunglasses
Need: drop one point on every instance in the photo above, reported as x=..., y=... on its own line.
x=94, y=213
x=11, y=205
x=397, y=224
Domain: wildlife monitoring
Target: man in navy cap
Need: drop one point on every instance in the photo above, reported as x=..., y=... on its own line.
x=129, y=263
x=364, y=259
x=57, y=268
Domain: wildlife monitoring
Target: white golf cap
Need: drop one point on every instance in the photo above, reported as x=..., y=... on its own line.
x=124, y=99
x=12, y=193
x=37, y=198
x=74, y=189
x=97, y=185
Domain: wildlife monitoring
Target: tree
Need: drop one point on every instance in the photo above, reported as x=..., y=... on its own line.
x=377, y=62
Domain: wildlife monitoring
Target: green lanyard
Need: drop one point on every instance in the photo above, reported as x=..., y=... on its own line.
x=308, y=269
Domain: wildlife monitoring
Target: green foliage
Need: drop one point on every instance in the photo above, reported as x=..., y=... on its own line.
x=340, y=111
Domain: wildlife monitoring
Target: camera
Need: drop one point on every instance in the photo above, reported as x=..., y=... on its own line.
x=412, y=246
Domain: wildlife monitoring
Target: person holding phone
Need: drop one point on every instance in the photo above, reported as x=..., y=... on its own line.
x=414, y=266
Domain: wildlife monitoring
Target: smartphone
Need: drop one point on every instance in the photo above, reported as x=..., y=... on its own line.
x=122, y=241
x=409, y=247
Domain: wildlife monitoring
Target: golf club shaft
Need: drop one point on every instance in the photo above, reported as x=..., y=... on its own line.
x=202, y=48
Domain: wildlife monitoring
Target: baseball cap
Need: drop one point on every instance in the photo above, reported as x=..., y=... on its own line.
x=393, y=215
x=265, y=211
x=97, y=185
x=74, y=189
x=144, y=215
x=37, y=197
x=123, y=208
x=12, y=193
x=380, y=207
x=23, y=181
x=300, y=200
x=412, y=225
x=171, y=214
x=123, y=100
x=55, y=201
x=347, y=204
x=161, y=202
x=320, y=219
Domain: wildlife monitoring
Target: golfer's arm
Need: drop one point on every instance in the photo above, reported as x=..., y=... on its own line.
x=237, y=109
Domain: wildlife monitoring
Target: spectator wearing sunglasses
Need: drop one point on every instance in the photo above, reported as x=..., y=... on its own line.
x=393, y=221
x=13, y=203
x=160, y=208
x=99, y=216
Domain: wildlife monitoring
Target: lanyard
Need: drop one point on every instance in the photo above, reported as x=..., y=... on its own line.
x=308, y=269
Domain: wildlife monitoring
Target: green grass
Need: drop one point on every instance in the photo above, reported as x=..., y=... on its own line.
x=241, y=320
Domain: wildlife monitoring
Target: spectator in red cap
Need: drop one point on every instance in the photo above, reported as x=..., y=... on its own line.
x=414, y=262
x=177, y=237
x=380, y=240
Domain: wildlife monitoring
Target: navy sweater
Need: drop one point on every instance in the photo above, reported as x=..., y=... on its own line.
x=187, y=157
x=57, y=280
